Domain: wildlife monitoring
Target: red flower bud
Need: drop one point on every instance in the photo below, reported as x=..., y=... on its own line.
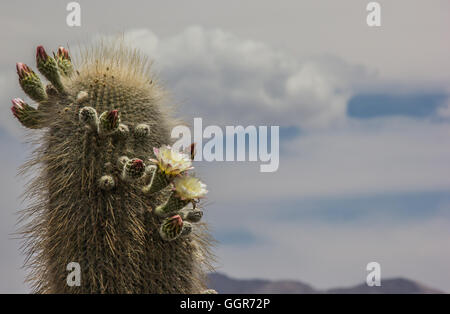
x=41, y=55
x=176, y=220
x=63, y=53
x=23, y=70
x=137, y=164
x=113, y=117
x=17, y=106
x=133, y=169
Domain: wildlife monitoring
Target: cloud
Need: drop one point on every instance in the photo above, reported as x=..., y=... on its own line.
x=362, y=158
x=444, y=110
x=220, y=76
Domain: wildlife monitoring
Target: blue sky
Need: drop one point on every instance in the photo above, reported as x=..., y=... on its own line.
x=412, y=104
x=364, y=123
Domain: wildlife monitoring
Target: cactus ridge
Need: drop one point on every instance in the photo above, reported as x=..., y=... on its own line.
x=93, y=158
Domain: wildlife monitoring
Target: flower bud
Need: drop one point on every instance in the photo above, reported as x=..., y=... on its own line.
x=41, y=55
x=133, y=169
x=142, y=130
x=49, y=68
x=107, y=182
x=64, y=62
x=192, y=215
x=30, y=82
x=171, y=228
x=109, y=121
x=171, y=206
x=88, y=116
x=26, y=114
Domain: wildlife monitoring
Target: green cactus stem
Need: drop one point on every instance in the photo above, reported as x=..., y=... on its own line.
x=172, y=205
x=158, y=181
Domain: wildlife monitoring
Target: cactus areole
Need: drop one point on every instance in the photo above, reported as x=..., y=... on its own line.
x=94, y=166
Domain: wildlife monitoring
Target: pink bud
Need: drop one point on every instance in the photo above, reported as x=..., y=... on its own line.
x=22, y=70
x=17, y=106
x=41, y=55
x=176, y=220
x=138, y=164
x=63, y=53
x=113, y=116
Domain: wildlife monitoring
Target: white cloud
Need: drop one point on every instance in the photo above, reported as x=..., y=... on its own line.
x=228, y=79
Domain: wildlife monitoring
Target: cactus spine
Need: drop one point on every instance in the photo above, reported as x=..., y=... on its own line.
x=103, y=170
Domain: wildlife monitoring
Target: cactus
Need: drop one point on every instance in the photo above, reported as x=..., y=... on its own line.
x=110, y=193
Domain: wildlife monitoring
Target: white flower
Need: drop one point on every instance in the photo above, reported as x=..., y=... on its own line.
x=171, y=161
x=189, y=188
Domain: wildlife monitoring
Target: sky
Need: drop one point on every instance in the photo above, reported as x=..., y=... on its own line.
x=364, y=116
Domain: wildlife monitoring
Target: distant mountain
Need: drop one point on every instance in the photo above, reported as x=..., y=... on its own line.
x=388, y=286
x=224, y=284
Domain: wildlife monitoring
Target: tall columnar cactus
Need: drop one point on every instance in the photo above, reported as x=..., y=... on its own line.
x=110, y=194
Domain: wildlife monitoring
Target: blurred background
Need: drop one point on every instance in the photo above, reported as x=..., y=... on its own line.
x=364, y=116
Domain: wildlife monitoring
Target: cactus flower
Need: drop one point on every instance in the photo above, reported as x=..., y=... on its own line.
x=170, y=161
x=189, y=188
